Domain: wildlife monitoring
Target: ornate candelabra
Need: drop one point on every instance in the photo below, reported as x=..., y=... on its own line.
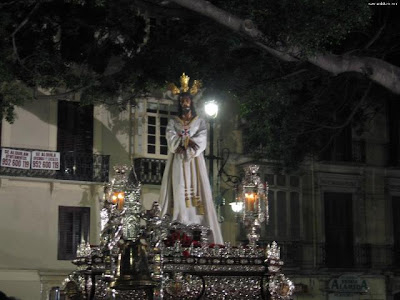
x=253, y=197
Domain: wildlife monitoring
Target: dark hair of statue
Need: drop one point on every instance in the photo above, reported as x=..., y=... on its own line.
x=186, y=94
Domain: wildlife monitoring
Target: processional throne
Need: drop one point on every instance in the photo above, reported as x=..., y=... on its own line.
x=145, y=256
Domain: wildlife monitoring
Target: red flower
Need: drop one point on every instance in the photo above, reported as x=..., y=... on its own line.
x=196, y=244
x=186, y=240
x=186, y=253
x=175, y=236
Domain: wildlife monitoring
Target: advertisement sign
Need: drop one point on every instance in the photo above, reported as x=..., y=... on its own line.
x=44, y=160
x=348, y=285
x=13, y=158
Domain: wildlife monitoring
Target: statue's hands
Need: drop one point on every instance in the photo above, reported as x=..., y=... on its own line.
x=193, y=145
x=180, y=150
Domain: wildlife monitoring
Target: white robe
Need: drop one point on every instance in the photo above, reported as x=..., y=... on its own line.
x=188, y=170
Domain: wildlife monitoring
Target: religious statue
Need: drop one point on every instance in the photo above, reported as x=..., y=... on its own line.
x=185, y=189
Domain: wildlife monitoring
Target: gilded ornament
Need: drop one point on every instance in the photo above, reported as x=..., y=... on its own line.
x=184, y=81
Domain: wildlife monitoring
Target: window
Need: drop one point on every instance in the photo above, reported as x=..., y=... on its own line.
x=75, y=127
x=340, y=148
x=75, y=140
x=156, y=129
x=73, y=222
x=344, y=147
x=338, y=229
x=284, y=197
x=152, y=119
x=396, y=228
x=157, y=121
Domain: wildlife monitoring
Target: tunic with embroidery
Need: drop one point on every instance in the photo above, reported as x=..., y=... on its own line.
x=185, y=192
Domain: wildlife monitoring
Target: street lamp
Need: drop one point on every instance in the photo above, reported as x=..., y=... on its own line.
x=211, y=110
x=236, y=206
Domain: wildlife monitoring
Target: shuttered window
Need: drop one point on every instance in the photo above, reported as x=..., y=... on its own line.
x=396, y=228
x=73, y=223
x=75, y=140
x=281, y=213
x=75, y=127
x=295, y=215
x=339, y=229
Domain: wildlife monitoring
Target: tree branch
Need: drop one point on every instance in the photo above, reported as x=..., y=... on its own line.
x=57, y=96
x=7, y=3
x=22, y=24
x=377, y=70
x=319, y=126
x=375, y=37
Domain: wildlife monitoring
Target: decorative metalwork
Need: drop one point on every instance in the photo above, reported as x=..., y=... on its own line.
x=279, y=286
x=179, y=286
x=233, y=287
x=150, y=170
x=143, y=256
x=184, y=81
x=253, y=196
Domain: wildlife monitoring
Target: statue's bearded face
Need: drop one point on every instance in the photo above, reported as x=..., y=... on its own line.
x=186, y=103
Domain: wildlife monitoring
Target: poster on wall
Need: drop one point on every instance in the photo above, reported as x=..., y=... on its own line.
x=44, y=160
x=14, y=158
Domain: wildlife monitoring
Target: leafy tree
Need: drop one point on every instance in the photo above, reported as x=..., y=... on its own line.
x=301, y=71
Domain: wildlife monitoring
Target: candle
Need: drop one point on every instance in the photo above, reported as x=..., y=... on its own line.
x=121, y=200
x=250, y=201
x=118, y=198
x=114, y=198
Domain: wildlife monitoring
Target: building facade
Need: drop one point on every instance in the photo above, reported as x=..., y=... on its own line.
x=336, y=219
x=48, y=205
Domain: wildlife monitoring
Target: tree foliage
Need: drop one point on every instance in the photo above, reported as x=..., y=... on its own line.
x=313, y=24
x=112, y=51
x=70, y=46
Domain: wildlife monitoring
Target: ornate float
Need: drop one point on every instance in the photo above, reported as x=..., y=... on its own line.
x=145, y=256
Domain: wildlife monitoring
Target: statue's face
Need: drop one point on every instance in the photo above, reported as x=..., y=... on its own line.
x=185, y=103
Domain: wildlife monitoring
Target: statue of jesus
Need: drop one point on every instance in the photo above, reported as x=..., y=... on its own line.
x=185, y=189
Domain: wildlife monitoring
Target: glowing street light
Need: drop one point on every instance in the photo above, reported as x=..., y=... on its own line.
x=236, y=206
x=211, y=109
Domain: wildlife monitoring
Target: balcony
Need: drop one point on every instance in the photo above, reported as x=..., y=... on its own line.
x=364, y=256
x=305, y=255
x=354, y=152
x=73, y=166
x=150, y=170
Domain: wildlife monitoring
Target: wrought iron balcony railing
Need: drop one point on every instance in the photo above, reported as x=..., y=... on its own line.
x=365, y=256
x=73, y=166
x=354, y=153
x=150, y=170
x=301, y=254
